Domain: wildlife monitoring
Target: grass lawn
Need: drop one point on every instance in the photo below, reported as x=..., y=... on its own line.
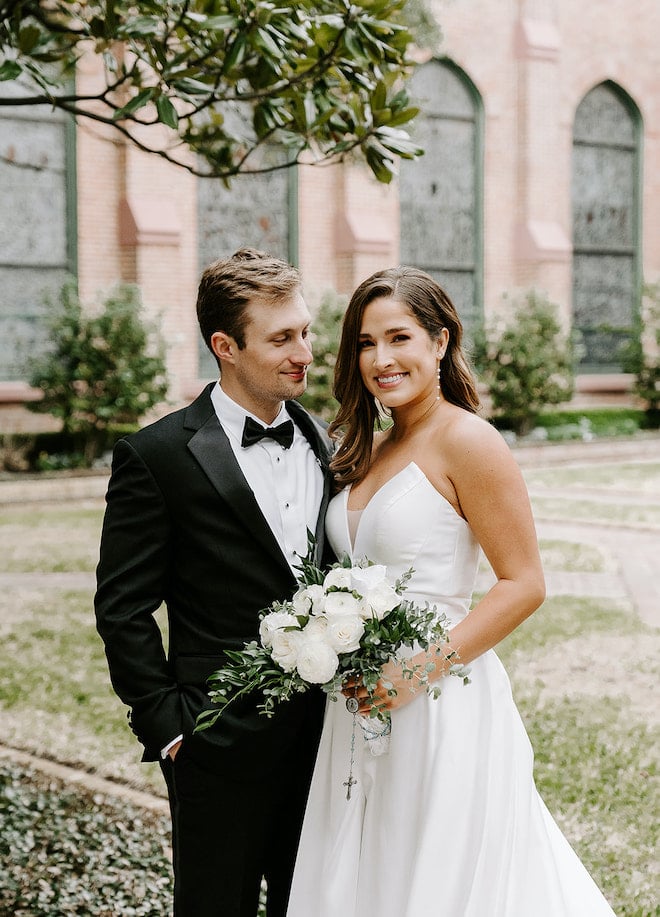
x=49, y=539
x=592, y=511
x=584, y=674
x=631, y=478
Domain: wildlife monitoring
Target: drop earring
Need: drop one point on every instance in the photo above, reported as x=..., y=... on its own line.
x=439, y=379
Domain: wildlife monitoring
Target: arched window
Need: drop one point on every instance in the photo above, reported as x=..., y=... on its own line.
x=606, y=221
x=37, y=226
x=258, y=211
x=441, y=193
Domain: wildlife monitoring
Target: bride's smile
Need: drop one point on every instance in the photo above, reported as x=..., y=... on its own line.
x=398, y=359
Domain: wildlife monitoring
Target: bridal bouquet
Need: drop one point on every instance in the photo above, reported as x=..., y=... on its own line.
x=340, y=626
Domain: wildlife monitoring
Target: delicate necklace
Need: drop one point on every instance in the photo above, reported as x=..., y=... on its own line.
x=421, y=417
x=433, y=405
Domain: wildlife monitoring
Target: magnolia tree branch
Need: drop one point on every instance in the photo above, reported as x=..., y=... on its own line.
x=226, y=78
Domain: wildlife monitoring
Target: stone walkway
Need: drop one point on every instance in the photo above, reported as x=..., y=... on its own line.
x=91, y=783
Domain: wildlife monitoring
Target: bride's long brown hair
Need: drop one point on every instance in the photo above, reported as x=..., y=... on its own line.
x=358, y=413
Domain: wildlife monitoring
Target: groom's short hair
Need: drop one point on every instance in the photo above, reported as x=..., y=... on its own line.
x=228, y=286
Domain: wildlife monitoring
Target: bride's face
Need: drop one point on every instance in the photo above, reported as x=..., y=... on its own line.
x=398, y=358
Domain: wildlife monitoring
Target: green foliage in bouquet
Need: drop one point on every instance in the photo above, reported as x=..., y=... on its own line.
x=526, y=363
x=346, y=623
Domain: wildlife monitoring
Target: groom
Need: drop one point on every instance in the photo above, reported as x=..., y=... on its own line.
x=207, y=512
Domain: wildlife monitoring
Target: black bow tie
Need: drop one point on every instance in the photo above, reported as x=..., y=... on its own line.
x=253, y=432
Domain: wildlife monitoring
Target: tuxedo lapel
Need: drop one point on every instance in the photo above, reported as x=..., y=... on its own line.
x=212, y=449
x=322, y=449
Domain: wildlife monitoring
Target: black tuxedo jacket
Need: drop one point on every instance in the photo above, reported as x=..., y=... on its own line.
x=183, y=528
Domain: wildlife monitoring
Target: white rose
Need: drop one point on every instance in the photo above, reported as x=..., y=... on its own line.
x=273, y=622
x=339, y=577
x=341, y=603
x=317, y=661
x=345, y=632
x=381, y=599
x=365, y=578
x=285, y=647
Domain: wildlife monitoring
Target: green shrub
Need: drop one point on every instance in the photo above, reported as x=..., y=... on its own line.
x=320, y=376
x=526, y=362
x=642, y=354
x=104, y=369
x=591, y=422
x=584, y=424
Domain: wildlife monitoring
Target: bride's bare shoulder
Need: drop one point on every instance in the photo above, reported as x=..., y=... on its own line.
x=466, y=434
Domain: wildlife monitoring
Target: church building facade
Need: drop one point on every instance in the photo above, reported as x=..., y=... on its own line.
x=540, y=121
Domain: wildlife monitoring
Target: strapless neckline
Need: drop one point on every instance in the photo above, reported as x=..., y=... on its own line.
x=411, y=470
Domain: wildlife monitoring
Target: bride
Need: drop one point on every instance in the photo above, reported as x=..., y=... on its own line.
x=447, y=822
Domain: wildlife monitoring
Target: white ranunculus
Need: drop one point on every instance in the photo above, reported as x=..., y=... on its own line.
x=316, y=628
x=317, y=661
x=381, y=599
x=339, y=577
x=341, y=603
x=345, y=632
x=273, y=622
x=285, y=648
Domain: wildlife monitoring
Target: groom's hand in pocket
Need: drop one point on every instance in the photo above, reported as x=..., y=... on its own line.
x=174, y=750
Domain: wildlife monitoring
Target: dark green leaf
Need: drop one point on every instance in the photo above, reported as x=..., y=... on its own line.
x=235, y=54
x=139, y=101
x=28, y=38
x=10, y=70
x=140, y=27
x=167, y=112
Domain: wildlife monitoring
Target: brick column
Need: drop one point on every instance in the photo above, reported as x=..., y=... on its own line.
x=542, y=232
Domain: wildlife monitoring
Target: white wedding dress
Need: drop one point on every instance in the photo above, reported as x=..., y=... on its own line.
x=448, y=822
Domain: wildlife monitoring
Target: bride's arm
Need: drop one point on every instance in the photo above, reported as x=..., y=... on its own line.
x=494, y=500
x=492, y=496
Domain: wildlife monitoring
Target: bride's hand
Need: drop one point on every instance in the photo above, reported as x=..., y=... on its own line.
x=392, y=678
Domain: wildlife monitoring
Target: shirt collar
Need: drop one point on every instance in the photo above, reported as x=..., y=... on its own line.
x=232, y=415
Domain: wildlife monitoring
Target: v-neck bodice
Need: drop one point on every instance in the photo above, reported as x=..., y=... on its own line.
x=408, y=523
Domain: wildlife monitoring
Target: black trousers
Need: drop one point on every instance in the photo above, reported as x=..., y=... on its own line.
x=228, y=834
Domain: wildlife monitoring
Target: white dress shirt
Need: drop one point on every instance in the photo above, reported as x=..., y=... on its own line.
x=287, y=483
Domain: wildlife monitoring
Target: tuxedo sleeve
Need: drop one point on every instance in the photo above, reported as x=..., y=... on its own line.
x=131, y=585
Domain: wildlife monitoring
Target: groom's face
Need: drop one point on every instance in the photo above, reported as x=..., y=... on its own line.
x=272, y=366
